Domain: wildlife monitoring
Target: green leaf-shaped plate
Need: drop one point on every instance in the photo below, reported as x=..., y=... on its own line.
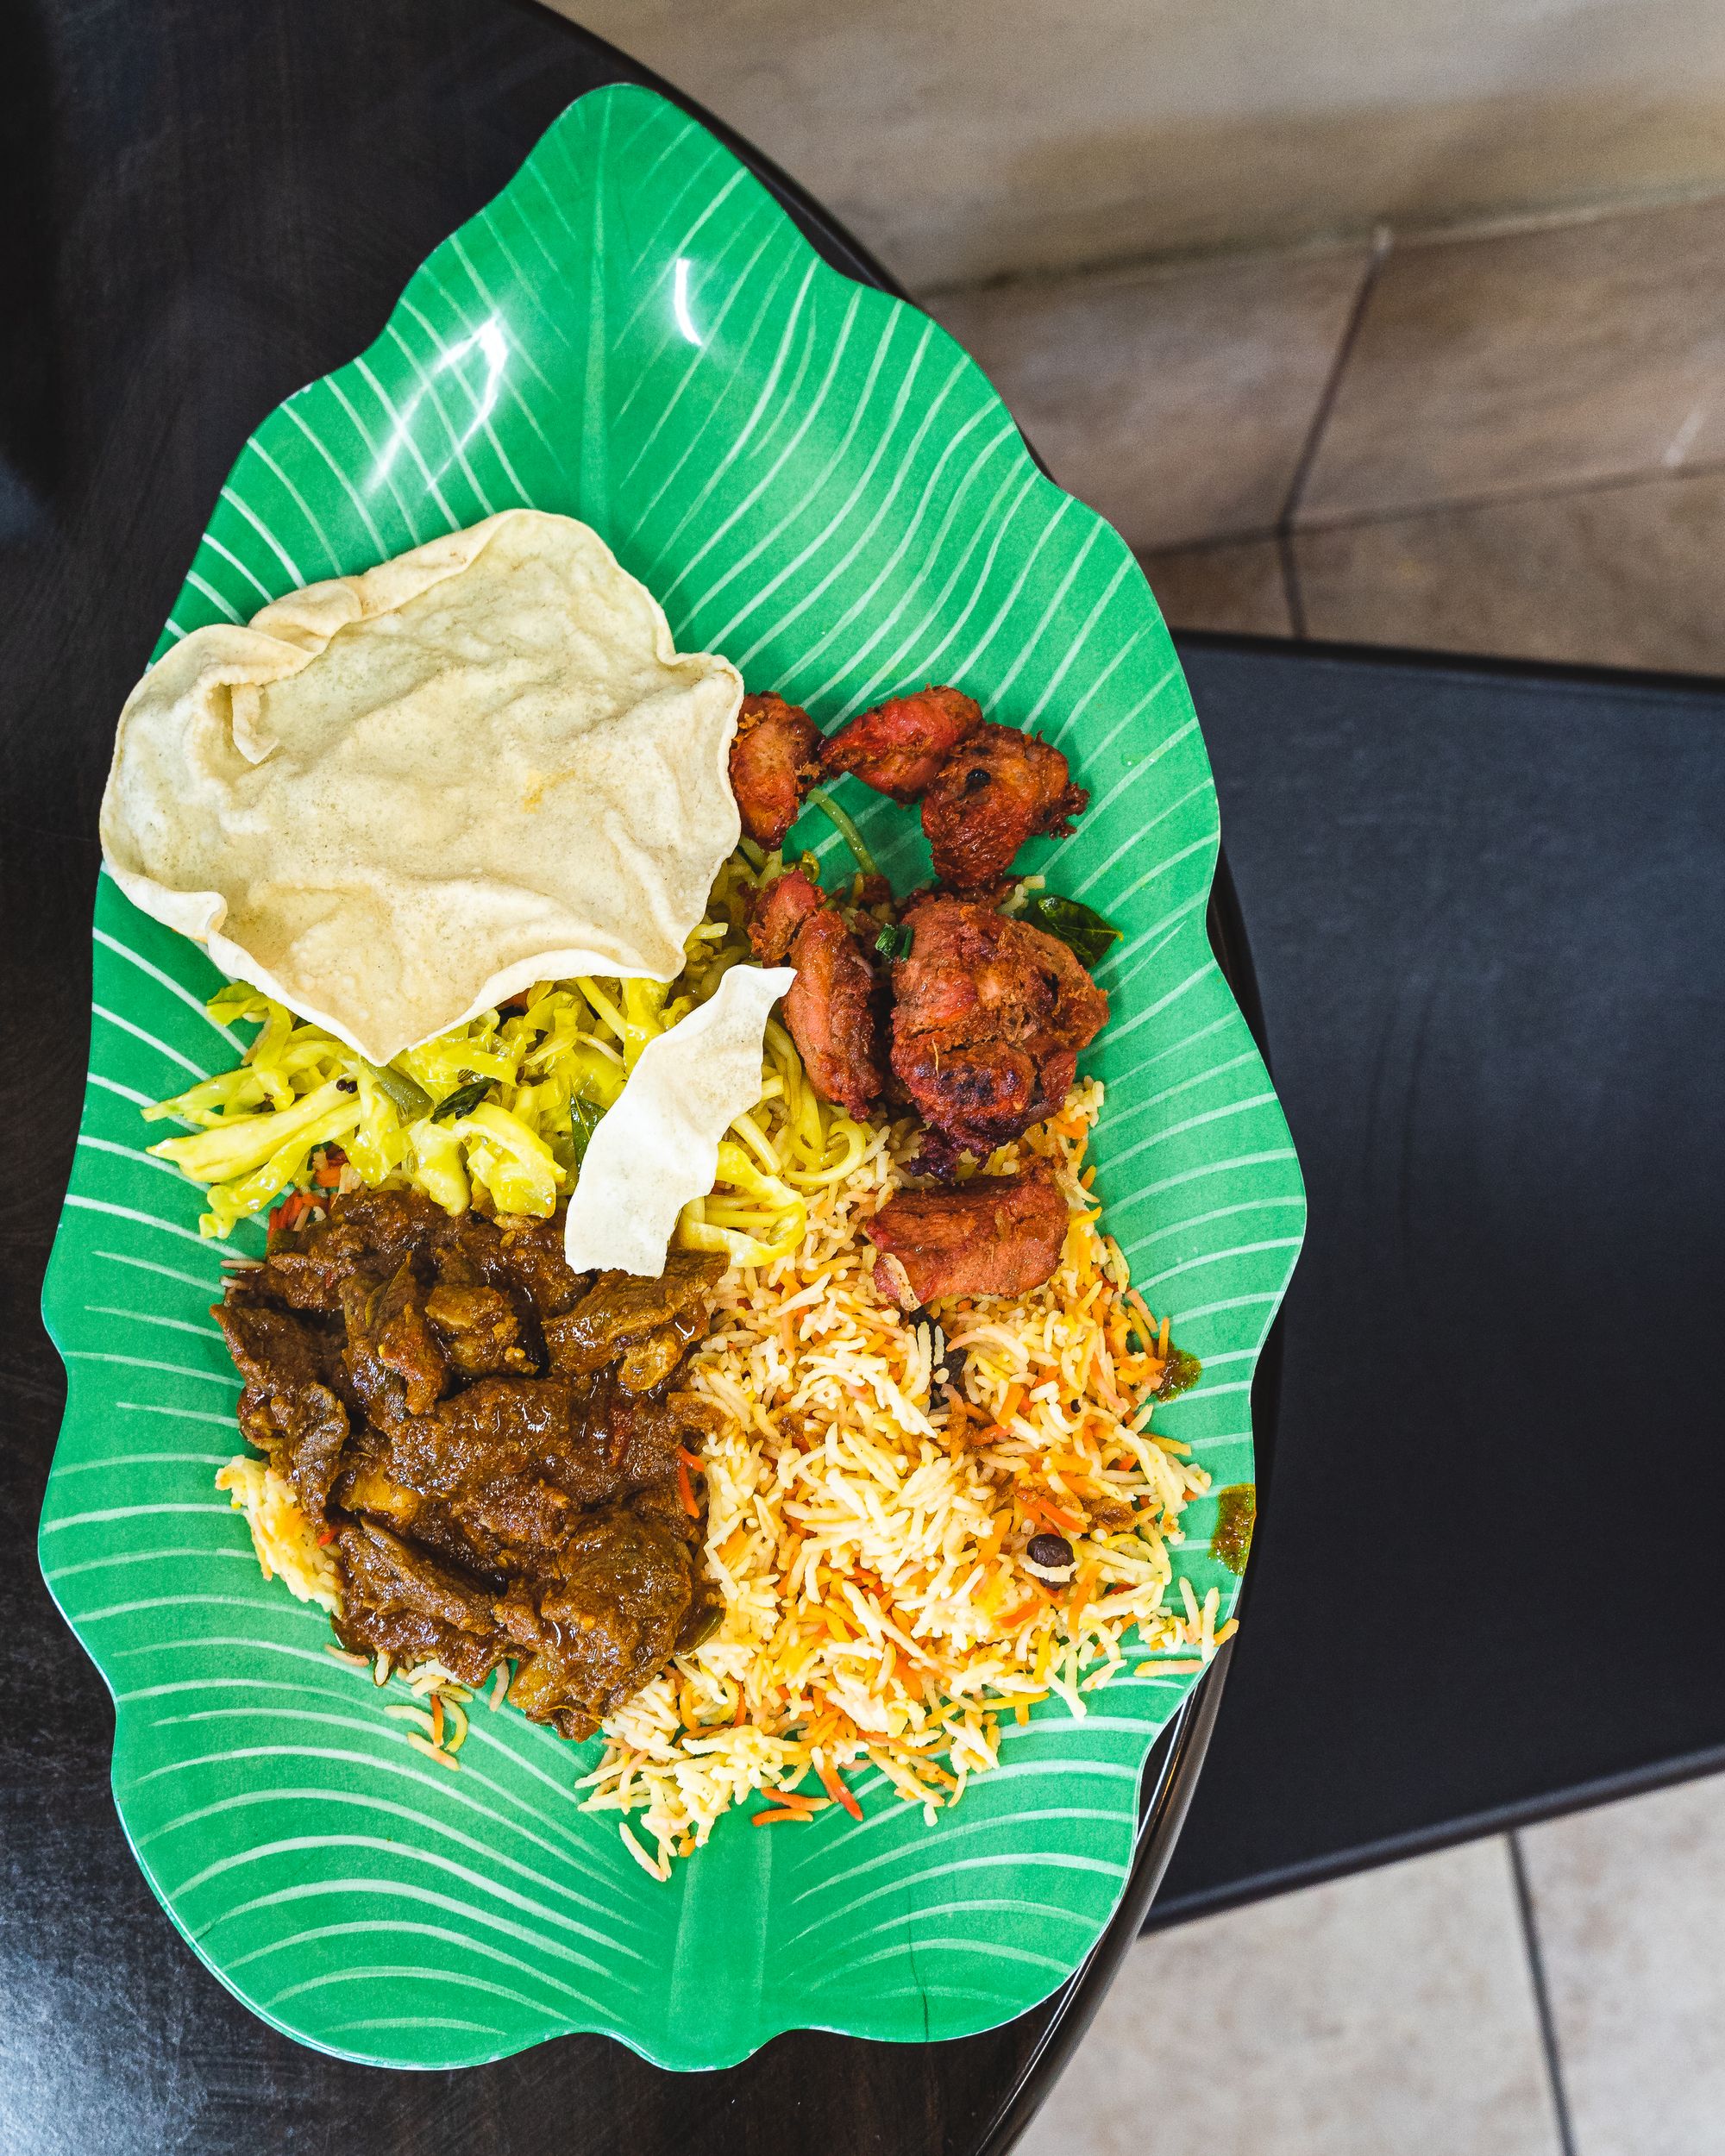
x=815, y=480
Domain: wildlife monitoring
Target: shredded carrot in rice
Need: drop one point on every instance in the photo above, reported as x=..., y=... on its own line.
x=865, y=1529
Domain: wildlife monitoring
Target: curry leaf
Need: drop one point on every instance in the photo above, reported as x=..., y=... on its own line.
x=409, y=1099
x=461, y=1101
x=584, y=1120
x=1081, y=928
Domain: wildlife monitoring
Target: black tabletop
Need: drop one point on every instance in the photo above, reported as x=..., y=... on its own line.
x=1485, y=912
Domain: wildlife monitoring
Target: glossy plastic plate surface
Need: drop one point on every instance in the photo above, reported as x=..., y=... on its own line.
x=816, y=481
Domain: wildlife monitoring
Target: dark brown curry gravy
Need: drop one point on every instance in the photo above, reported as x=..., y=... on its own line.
x=489, y=1442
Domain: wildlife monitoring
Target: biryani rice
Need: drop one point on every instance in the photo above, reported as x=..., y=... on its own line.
x=866, y=1522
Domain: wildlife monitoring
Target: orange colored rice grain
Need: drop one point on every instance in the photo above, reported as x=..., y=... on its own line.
x=797, y=1572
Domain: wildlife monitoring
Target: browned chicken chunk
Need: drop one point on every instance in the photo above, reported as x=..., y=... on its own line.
x=1000, y=789
x=780, y=910
x=995, y=1235
x=836, y=1012
x=988, y=1019
x=836, y=1008
x=772, y=766
x=898, y=746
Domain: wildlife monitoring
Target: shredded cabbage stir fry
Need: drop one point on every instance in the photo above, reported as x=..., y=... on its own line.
x=497, y=1113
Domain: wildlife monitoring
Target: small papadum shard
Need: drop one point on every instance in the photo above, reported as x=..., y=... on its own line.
x=658, y=1147
x=394, y=799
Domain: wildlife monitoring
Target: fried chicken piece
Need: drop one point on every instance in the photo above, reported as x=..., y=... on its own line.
x=836, y=1012
x=1000, y=789
x=989, y=1018
x=780, y=908
x=995, y=1235
x=836, y=1007
x=772, y=766
x=898, y=746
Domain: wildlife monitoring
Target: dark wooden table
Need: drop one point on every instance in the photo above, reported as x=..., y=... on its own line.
x=1484, y=912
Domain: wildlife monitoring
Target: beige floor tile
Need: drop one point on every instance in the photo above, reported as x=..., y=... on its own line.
x=1387, y=2015
x=1176, y=403
x=1238, y=587
x=1625, y=576
x=1629, y=1904
x=1535, y=358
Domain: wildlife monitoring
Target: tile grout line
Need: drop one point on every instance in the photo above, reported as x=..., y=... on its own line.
x=1555, y=490
x=1542, y=1998
x=1409, y=512
x=1143, y=267
x=1327, y=397
x=1293, y=597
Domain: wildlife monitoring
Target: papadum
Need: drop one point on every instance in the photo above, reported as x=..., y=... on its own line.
x=394, y=799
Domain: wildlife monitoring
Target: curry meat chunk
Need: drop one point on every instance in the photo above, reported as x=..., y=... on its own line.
x=290, y=1410
x=602, y=1621
x=644, y=1327
x=494, y=1445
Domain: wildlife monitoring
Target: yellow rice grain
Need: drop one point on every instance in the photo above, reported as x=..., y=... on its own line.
x=866, y=1541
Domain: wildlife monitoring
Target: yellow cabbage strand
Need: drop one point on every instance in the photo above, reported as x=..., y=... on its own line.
x=533, y=1080
x=262, y=1129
